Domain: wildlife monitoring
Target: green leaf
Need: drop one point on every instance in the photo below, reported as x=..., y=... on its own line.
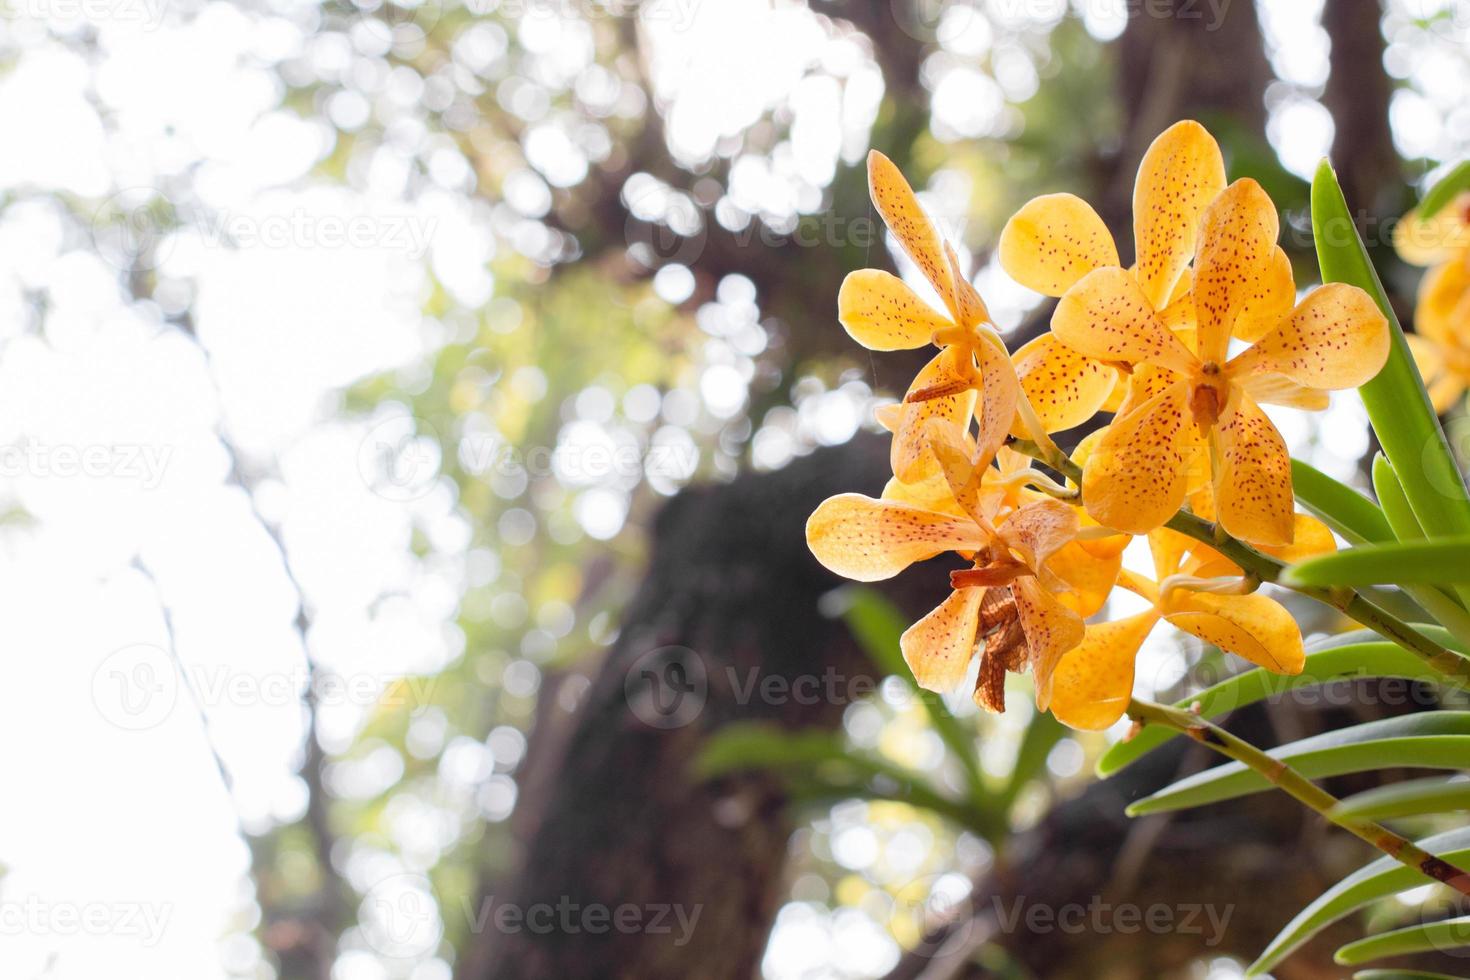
x=1445, y=190
x=1349, y=658
x=820, y=764
x=1441, y=561
x=1341, y=508
x=1043, y=732
x=1429, y=937
x=1397, y=403
x=1406, y=528
x=1407, y=799
x=878, y=624
x=1425, y=740
x=1382, y=878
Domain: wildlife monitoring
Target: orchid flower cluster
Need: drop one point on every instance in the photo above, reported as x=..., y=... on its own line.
x=1183, y=348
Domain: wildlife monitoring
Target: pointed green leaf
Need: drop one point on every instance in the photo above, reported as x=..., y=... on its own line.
x=1407, y=799
x=1351, y=658
x=1406, y=528
x=1425, y=740
x=1380, y=879
x=1341, y=508
x=1445, y=190
x=1429, y=937
x=1441, y=561
x=1397, y=403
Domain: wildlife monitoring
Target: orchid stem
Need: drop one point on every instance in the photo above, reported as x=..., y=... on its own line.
x=1284, y=777
x=1267, y=568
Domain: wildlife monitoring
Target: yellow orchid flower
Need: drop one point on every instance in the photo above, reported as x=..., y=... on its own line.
x=1057, y=239
x=1335, y=338
x=1442, y=313
x=1093, y=682
x=971, y=374
x=1442, y=344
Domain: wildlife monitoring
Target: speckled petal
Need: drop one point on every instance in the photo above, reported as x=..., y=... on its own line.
x=931, y=493
x=1066, y=388
x=995, y=407
x=1092, y=684
x=1138, y=473
x=1253, y=492
x=1269, y=299
x=882, y=313
x=1051, y=630
x=1053, y=241
x=909, y=456
x=969, y=307
x=1236, y=247
x=1335, y=338
x=1253, y=626
x=1107, y=317
x=1039, y=529
x=939, y=647
x=1181, y=173
x=896, y=203
x=869, y=540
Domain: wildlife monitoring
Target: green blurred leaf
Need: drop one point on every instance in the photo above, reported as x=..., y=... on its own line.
x=878, y=624
x=1382, y=878
x=1441, y=561
x=1425, y=740
x=1397, y=402
x=1342, y=508
x=1407, y=799
x=1043, y=732
x=820, y=763
x=1349, y=658
x=1428, y=937
x=1445, y=190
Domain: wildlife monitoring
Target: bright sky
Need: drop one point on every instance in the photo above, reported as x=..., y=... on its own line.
x=149, y=616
